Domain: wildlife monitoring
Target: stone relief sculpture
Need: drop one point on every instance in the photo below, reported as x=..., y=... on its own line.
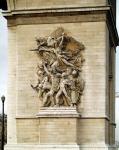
x=59, y=73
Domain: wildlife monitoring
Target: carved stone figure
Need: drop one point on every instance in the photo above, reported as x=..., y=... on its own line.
x=59, y=75
x=55, y=79
x=77, y=86
x=62, y=89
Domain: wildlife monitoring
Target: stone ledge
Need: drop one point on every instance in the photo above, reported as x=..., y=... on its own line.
x=61, y=112
x=41, y=147
x=25, y=117
x=24, y=146
x=55, y=10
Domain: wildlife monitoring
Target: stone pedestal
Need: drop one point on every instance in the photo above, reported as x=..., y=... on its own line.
x=58, y=125
x=59, y=130
x=58, y=112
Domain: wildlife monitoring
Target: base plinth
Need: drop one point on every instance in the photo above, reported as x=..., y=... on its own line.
x=58, y=147
x=58, y=125
x=58, y=112
x=58, y=130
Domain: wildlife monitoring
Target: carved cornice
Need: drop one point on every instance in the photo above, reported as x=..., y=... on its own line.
x=69, y=11
x=37, y=116
x=55, y=11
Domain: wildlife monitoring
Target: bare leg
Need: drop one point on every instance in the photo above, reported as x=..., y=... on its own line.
x=46, y=98
x=40, y=93
x=66, y=95
x=57, y=97
x=49, y=94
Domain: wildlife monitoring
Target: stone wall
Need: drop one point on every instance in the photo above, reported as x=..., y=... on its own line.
x=36, y=4
x=91, y=26
x=93, y=35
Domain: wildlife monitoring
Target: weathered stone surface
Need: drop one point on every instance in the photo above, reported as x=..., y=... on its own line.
x=29, y=125
x=63, y=112
x=59, y=80
x=36, y=4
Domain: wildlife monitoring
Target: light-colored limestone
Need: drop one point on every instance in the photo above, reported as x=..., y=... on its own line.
x=27, y=130
x=95, y=128
x=11, y=94
x=27, y=62
x=49, y=112
x=60, y=147
x=94, y=70
x=36, y=4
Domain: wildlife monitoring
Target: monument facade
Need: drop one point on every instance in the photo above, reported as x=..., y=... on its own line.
x=61, y=75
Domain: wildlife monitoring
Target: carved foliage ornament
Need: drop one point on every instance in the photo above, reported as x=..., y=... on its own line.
x=59, y=73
